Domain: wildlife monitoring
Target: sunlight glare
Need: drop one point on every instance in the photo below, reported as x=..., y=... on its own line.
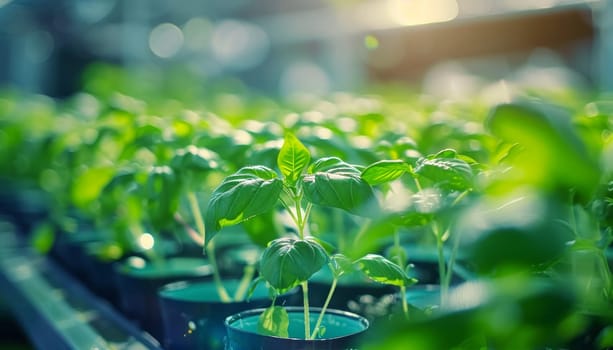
x=415, y=12
x=146, y=241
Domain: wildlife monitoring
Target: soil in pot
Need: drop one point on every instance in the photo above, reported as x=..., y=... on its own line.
x=342, y=331
x=193, y=313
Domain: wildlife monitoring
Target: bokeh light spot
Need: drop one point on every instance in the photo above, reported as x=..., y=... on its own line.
x=166, y=40
x=371, y=42
x=146, y=241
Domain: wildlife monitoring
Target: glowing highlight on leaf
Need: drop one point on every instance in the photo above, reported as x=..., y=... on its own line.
x=293, y=158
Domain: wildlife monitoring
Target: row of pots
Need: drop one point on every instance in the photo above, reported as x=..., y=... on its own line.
x=176, y=302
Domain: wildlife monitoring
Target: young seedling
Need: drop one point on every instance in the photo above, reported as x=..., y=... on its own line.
x=290, y=261
x=450, y=178
x=195, y=165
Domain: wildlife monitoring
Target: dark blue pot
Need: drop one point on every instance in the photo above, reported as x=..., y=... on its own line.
x=193, y=314
x=100, y=273
x=343, y=330
x=69, y=250
x=23, y=204
x=138, y=285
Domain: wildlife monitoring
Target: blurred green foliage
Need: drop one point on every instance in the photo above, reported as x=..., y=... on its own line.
x=522, y=190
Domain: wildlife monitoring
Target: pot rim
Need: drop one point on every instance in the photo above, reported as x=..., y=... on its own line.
x=139, y=268
x=163, y=291
x=293, y=309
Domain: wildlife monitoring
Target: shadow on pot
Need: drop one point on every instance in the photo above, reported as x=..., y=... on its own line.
x=193, y=313
x=138, y=282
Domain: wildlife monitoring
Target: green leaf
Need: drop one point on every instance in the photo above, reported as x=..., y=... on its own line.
x=248, y=192
x=340, y=264
x=382, y=270
x=446, y=153
x=161, y=179
x=88, y=185
x=161, y=196
x=605, y=338
x=321, y=331
x=447, y=173
x=384, y=171
x=113, y=195
x=263, y=228
x=196, y=159
x=373, y=237
x=252, y=286
x=287, y=262
x=412, y=219
x=329, y=247
x=333, y=164
x=293, y=158
x=398, y=254
x=334, y=183
x=274, y=321
x=550, y=140
x=43, y=238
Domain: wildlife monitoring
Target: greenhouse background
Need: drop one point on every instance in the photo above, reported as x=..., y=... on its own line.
x=270, y=44
x=452, y=103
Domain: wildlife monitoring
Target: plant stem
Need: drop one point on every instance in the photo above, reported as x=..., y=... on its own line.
x=454, y=249
x=572, y=214
x=305, y=301
x=299, y=221
x=403, y=289
x=460, y=197
x=305, y=285
x=209, y=248
x=605, y=272
x=441, y=271
x=195, y=208
x=289, y=210
x=193, y=234
x=398, y=247
x=405, y=303
x=324, y=308
x=221, y=290
x=441, y=262
x=452, y=258
x=248, y=272
x=417, y=183
x=307, y=212
x=337, y=222
x=363, y=230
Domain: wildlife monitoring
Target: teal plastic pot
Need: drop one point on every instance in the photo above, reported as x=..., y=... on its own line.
x=138, y=282
x=343, y=330
x=193, y=314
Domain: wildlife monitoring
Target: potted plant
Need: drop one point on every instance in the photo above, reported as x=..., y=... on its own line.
x=290, y=261
x=536, y=241
x=136, y=208
x=193, y=311
x=153, y=257
x=441, y=183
